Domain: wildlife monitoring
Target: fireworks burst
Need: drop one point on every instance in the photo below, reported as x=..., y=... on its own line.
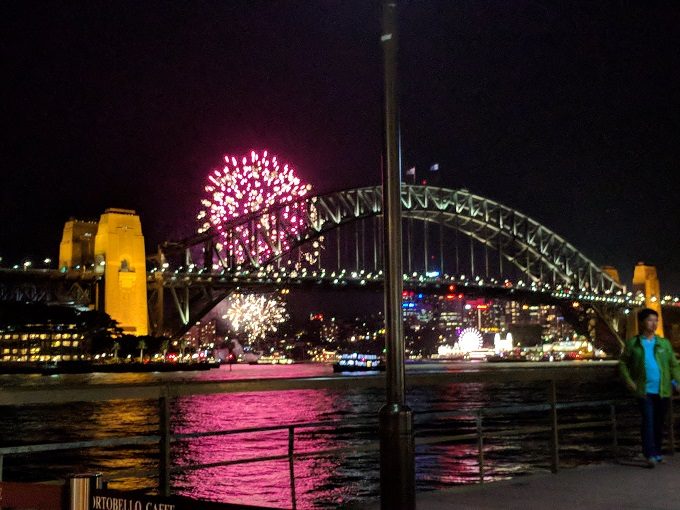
x=247, y=185
x=255, y=315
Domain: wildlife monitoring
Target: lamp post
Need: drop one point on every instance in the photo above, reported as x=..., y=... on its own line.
x=397, y=466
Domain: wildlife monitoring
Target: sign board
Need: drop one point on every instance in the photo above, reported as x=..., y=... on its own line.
x=104, y=499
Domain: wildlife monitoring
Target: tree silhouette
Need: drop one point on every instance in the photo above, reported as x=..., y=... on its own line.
x=141, y=345
x=116, y=348
x=165, y=345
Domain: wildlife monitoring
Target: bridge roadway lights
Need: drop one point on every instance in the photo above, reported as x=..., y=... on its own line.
x=397, y=454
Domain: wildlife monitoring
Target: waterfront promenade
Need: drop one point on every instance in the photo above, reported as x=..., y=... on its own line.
x=177, y=433
x=628, y=486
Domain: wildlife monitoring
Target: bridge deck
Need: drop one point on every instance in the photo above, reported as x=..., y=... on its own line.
x=627, y=486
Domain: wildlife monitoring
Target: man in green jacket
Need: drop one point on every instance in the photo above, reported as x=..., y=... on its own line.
x=651, y=371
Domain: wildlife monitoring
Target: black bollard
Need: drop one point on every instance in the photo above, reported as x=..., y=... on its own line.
x=397, y=453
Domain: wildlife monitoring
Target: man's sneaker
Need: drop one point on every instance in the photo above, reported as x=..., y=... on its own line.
x=659, y=459
x=651, y=462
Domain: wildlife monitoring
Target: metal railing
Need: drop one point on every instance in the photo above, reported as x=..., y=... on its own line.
x=165, y=437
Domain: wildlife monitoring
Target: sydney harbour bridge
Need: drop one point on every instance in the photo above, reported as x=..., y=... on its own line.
x=453, y=240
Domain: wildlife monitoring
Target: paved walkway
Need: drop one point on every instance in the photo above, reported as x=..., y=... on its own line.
x=602, y=487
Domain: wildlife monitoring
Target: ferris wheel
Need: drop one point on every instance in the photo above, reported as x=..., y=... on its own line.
x=470, y=339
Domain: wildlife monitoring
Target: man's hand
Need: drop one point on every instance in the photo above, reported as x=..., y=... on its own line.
x=631, y=386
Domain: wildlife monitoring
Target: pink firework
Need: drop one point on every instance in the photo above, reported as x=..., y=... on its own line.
x=245, y=186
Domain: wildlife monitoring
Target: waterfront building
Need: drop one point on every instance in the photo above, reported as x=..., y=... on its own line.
x=44, y=333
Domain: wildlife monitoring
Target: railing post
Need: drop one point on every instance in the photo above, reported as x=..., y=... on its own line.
x=164, y=446
x=480, y=446
x=291, y=464
x=554, y=437
x=1, y=467
x=671, y=432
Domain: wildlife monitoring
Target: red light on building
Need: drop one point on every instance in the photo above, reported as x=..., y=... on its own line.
x=316, y=317
x=452, y=288
x=404, y=293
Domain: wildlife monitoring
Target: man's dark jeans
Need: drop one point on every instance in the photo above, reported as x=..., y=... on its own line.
x=653, y=410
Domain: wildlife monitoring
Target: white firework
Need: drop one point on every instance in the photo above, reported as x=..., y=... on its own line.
x=255, y=315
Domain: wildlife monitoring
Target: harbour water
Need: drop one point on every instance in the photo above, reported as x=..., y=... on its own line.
x=321, y=482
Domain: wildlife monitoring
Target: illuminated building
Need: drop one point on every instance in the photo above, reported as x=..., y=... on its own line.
x=192, y=337
x=40, y=342
x=203, y=334
x=207, y=333
x=450, y=313
x=330, y=332
x=42, y=333
x=502, y=345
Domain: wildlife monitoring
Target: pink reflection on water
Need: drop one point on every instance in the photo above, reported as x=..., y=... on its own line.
x=264, y=483
x=321, y=482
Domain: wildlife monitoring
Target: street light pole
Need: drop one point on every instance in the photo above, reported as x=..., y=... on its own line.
x=397, y=450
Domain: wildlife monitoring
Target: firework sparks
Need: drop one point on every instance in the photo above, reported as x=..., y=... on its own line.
x=255, y=315
x=247, y=185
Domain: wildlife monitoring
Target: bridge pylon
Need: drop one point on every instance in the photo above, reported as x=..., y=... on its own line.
x=646, y=280
x=120, y=256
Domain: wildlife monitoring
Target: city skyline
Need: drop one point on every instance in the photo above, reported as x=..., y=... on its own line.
x=543, y=108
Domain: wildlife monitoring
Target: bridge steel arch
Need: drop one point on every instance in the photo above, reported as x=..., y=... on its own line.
x=538, y=252
x=534, y=249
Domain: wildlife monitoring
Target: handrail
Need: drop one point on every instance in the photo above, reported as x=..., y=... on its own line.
x=75, y=445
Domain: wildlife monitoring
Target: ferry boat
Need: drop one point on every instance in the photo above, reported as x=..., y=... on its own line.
x=359, y=363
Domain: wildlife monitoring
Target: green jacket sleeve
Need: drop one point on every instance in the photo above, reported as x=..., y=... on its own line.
x=623, y=366
x=675, y=365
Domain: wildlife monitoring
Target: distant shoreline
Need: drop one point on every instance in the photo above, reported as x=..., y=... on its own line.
x=88, y=367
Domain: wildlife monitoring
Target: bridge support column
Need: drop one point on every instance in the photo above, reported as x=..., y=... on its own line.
x=120, y=256
x=397, y=466
x=158, y=306
x=646, y=280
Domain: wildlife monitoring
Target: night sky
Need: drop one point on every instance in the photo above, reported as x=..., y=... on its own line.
x=569, y=113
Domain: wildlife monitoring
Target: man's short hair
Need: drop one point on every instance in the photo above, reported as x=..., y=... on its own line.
x=646, y=312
